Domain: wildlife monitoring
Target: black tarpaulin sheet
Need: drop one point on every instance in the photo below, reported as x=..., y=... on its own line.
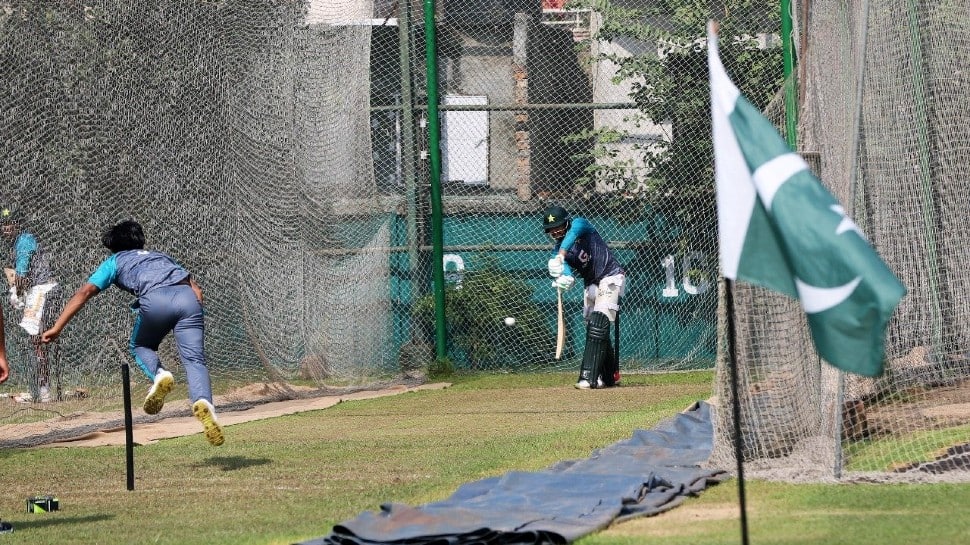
x=651, y=472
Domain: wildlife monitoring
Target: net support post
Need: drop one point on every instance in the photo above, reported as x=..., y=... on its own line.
x=129, y=434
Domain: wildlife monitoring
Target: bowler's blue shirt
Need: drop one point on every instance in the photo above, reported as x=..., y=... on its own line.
x=138, y=271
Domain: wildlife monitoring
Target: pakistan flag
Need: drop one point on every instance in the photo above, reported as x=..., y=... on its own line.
x=779, y=228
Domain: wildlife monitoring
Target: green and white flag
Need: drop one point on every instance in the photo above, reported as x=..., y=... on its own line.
x=779, y=228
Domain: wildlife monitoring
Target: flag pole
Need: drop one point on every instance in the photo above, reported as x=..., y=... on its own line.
x=736, y=404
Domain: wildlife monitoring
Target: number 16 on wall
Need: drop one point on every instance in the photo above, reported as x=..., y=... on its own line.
x=693, y=274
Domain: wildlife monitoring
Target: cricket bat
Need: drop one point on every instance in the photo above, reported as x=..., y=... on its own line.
x=561, y=333
x=10, y=274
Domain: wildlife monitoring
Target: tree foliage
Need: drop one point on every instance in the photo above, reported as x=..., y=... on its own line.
x=475, y=310
x=669, y=84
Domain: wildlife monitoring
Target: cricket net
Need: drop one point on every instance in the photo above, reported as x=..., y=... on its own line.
x=238, y=135
x=884, y=116
x=281, y=151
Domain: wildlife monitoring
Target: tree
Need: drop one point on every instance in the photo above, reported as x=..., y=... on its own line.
x=670, y=87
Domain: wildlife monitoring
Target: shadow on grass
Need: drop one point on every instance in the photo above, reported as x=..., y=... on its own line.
x=230, y=463
x=42, y=522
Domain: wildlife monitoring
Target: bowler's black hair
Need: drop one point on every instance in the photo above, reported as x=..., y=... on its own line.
x=126, y=235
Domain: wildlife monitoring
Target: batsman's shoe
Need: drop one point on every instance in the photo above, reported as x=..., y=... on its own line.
x=206, y=413
x=155, y=400
x=584, y=384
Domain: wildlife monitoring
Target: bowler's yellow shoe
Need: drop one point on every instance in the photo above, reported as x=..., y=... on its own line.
x=206, y=413
x=155, y=400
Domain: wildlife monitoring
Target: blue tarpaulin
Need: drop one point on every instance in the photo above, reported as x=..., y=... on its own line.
x=651, y=472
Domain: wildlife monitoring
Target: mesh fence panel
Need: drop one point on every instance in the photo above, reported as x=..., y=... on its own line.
x=883, y=114
x=578, y=104
x=280, y=151
x=238, y=134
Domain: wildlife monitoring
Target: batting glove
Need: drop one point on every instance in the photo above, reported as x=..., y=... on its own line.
x=555, y=266
x=564, y=282
x=15, y=301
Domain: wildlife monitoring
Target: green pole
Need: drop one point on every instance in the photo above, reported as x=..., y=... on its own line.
x=788, y=57
x=434, y=157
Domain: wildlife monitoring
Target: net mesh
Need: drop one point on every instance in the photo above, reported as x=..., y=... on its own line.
x=241, y=141
x=883, y=113
x=280, y=151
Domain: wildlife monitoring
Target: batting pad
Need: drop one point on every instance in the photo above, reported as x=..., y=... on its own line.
x=653, y=471
x=34, y=307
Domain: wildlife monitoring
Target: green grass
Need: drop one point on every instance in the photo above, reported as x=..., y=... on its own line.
x=787, y=514
x=882, y=454
x=291, y=478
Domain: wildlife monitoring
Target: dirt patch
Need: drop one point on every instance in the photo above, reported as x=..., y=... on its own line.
x=252, y=402
x=921, y=409
x=953, y=410
x=675, y=522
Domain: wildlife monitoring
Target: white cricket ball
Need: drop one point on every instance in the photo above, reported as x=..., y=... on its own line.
x=510, y=321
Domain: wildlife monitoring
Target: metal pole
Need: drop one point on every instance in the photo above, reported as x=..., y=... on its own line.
x=129, y=433
x=924, y=171
x=853, y=195
x=434, y=160
x=736, y=405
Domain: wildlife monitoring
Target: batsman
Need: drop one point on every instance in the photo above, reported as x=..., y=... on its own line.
x=580, y=250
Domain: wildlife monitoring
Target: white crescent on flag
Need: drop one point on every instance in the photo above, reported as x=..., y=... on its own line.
x=815, y=299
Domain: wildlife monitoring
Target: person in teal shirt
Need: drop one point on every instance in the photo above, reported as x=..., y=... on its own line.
x=34, y=293
x=579, y=250
x=168, y=301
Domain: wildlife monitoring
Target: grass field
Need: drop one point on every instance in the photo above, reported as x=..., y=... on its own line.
x=291, y=478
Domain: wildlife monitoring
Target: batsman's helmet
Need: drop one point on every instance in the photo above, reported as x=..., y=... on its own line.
x=554, y=216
